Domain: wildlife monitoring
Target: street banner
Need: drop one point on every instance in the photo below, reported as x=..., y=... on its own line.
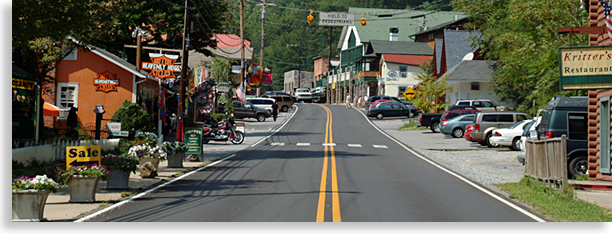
x=266, y=78
x=193, y=139
x=205, y=96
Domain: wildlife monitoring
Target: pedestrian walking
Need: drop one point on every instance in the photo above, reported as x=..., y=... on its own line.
x=365, y=100
x=359, y=101
x=274, y=111
x=348, y=100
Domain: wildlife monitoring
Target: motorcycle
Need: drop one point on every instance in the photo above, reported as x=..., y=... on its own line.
x=223, y=131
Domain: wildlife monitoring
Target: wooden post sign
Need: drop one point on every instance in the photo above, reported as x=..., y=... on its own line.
x=83, y=155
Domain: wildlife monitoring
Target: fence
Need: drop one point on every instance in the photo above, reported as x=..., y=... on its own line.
x=547, y=160
x=59, y=147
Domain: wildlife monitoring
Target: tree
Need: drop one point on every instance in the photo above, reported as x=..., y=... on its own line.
x=133, y=117
x=520, y=40
x=429, y=90
x=221, y=69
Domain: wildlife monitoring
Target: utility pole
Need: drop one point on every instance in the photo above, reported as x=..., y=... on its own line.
x=299, y=65
x=329, y=66
x=263, y=20
x=182, y=81
x=241, y=44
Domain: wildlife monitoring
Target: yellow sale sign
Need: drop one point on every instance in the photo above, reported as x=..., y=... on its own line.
x=83, y=155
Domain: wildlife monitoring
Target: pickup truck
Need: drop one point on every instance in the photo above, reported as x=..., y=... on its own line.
x=431, y=120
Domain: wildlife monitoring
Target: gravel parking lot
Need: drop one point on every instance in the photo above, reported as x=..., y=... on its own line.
x=487, y=166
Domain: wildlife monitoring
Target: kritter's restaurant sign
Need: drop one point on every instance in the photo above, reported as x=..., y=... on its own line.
x=585, y=67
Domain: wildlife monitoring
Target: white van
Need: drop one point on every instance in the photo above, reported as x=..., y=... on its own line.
x=262, y=102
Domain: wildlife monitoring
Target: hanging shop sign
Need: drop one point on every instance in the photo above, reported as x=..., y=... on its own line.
x=266, y=78
x=162, y=65
x=223, y=87
x=585, y=67
x=106, y=82
x=24, y=109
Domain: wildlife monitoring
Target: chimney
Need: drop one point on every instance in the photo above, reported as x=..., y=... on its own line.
x=393, y=34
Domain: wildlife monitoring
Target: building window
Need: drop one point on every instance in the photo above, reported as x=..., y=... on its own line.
x=431, y=36
x=401, y=90
x=475, y=86
x=604, y=133
x=403, y=71
x=67, y=95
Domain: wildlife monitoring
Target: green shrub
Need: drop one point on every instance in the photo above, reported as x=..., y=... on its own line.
x=133, y=117
x=35, y=167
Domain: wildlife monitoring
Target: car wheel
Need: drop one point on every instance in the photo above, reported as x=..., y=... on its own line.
x=261, y=118
x=284, y=108
x=435, y=127
x=516, y=144
x=578, y=166
x=380, y=116
x=488, y=141
x=457, y=133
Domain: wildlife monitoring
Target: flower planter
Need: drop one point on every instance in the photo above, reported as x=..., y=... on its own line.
x=176, y=160
x=153, y=161
x=29, y=205
x=118, y=179
x=83, y=188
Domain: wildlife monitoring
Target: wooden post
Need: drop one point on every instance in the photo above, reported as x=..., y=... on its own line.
x=563, y=158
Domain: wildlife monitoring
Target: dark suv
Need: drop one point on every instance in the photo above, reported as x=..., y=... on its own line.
x=249, y=111
x=569, y=116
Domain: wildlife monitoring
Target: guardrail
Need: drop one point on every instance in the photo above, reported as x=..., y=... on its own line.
x=547, y=160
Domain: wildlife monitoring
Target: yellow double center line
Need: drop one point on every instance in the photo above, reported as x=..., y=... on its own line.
x=334, y=178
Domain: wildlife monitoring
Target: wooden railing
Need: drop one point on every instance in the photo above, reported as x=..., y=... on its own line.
x=366, y=73
x=547, y=160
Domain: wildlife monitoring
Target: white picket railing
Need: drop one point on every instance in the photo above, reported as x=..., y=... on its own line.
x=60, y=145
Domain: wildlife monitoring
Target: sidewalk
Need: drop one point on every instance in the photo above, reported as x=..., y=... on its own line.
x=57, y=208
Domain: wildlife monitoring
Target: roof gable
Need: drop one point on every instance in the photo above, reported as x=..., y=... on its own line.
x=229, y=41
x=470, y=71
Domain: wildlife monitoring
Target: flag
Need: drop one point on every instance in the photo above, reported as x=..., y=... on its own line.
x=241, y=93
x=608, y=14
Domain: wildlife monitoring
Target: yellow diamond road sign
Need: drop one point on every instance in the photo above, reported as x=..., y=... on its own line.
x=410, y=93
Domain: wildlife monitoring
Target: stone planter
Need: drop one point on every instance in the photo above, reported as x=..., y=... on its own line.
x=118, y=179
x=176, y=160
x=29, y=205
x=83, y=188
x=153, y=161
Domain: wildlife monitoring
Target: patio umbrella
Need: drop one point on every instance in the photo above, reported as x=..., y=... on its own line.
x=51, y=110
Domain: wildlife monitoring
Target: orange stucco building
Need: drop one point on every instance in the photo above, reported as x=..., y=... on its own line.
x=85, y=79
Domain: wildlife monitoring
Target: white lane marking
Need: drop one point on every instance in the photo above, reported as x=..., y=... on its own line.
x=303, y=144
x=281, y=127
x=380, y=146
x=278, y=143
x=329, y=144
x=354, y=145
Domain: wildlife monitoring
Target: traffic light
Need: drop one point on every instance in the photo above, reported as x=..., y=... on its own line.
x=363, y=21
x=310, y=17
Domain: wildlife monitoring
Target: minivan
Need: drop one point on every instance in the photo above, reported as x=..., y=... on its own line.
x=568, y=116
x=486, y=122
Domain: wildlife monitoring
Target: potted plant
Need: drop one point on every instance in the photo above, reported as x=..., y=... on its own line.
x=82, y=181
x=146, y=153
x=145, y=138
x=30, y=196
x=176, y=153
x=120, y=167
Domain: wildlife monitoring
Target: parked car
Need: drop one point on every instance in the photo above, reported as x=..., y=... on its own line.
x=527, y=135
x=511, y=136
x=568, y=116
x=468, y=130
x=483, y=105
x=262, y=102
x=435, y=121
x=486, y=122
x=284, y=101
x=430, y=120
x=303, y=94
x=319, y=94
x=379, y=101
x=249, y=111
x=455, y=107
x=278, y=93
x=373, y=99
x=388, y=109
x=456, y=126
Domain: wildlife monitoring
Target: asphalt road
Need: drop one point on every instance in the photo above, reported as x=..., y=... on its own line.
x=326, y=164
